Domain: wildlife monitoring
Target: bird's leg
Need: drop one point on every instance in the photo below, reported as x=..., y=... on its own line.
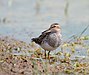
x=45, y=54
x=48, y=55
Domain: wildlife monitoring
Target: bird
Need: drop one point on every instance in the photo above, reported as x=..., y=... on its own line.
x=49, y=39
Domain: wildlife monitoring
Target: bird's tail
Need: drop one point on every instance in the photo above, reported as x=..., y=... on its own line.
x=36, y=40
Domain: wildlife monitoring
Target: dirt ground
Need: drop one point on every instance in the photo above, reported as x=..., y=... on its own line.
x=22, y=64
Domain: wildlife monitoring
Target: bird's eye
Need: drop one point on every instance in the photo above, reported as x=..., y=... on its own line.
x=54, y=26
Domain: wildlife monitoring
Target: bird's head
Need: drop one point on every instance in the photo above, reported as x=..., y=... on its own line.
x=55, y=25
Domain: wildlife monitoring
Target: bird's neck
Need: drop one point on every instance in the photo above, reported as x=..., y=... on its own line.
x=56, y=30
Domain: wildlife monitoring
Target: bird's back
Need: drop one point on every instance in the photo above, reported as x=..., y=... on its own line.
x=39, y=39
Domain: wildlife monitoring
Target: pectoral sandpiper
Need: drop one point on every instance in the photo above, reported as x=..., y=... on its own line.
x=50, y=39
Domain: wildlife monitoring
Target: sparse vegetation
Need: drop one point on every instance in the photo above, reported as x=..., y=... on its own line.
x=18, y=58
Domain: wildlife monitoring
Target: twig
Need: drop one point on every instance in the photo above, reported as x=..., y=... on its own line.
x=74, y=36
x=83, y=31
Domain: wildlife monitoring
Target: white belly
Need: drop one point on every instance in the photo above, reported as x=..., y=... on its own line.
x=47, y=47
